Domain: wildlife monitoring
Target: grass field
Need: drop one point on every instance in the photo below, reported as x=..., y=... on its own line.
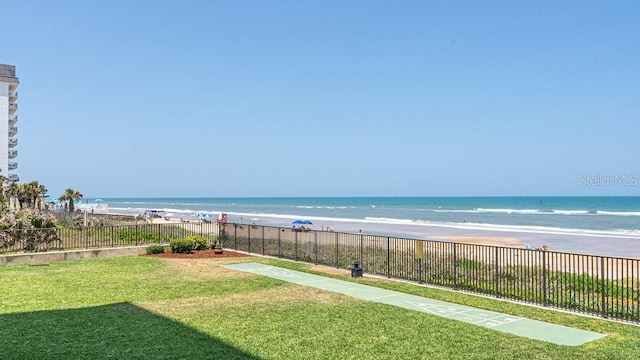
x=150, y=308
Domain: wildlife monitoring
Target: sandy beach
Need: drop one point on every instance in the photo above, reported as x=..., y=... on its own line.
x=484, y=240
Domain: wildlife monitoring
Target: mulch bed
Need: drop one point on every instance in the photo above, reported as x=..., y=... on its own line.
x=204, y=254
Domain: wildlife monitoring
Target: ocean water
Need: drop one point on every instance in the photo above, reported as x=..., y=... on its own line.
x=596, y=225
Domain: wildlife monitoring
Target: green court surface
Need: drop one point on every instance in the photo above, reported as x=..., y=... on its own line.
x=533, y=329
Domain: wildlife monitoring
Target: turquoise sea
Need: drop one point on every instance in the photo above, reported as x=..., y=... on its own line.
x=569, y=221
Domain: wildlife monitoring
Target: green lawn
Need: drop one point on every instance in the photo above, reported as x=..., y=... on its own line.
x=149, y=308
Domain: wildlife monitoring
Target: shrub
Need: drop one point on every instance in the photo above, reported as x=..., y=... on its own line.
x=28, y=230
x=181, y=246
x=155, y=249
x=217, y=244
x=199, y=242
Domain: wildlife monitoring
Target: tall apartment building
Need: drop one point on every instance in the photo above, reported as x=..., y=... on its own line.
x=8, y=119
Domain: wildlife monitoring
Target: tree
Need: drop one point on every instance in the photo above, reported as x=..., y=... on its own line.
x=13, y=192
x=3, y=181
x=31, y=194
x=41, y=192
x=70, y=195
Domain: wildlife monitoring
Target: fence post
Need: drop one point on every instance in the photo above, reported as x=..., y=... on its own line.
x=262, y=240
x=296, y=244
x=544, y=278
x=361, y=250
x=388, y=257
x=249, y=238
x=497, y=294
x=280, y=242
x=315, y=247
x=235, y=236
x=603, y=288
x=337, y=253
x=455, y=266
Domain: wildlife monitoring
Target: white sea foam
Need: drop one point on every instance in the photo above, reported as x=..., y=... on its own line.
x=619, y=213
x=320, y=207
x=510, y=211
x=493, y=211
x=571, y=212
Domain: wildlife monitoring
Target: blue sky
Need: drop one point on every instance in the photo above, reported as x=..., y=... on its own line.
x=327, y=98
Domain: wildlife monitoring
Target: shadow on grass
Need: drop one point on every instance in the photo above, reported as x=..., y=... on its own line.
x=117, y=331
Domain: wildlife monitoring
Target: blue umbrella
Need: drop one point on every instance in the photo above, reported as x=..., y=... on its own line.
x=300, y=222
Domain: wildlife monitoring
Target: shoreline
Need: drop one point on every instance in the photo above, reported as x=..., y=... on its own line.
x=592, y=244
x=627, y=247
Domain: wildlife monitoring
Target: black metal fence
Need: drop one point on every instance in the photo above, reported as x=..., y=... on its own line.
x=597, y=285
x=58, y=239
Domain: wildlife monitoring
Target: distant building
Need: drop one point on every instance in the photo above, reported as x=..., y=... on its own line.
x=8, y=119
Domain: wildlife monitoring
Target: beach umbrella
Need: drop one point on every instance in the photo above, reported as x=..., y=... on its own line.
x=302, y=222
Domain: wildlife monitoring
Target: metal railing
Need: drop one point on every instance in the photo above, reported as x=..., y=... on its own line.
x=7, y=70
x=90, y=237
x=604, y=286
x=597, y=285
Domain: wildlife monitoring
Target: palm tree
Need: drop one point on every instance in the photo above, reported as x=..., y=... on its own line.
x=13, y=192
x=41, y=192
x=70, y=195
x=3, y=181
x=29, y=194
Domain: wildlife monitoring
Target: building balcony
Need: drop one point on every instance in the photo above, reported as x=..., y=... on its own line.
x=13, y=143
x=13, y=154
x=13, y=177
x=13, y=130
x=13, y=165
x=13, y=107
x=13, y=96
x=13, y=120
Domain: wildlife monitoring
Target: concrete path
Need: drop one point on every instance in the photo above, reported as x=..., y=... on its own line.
x=520, y=326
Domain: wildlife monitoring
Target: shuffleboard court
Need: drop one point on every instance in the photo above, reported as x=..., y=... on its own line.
x=533, y=329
